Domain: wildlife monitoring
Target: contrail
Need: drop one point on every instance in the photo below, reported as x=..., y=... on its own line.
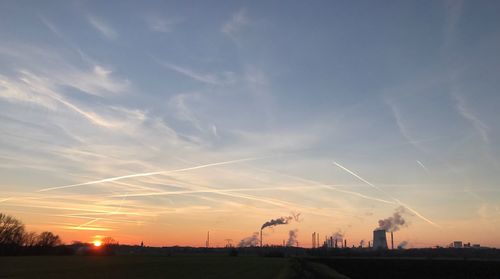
x=423, y=166
x=396, y=200
x=357, y=176
x=214, y=191
x=359, y=195
x=418, y=214
x=149, y=174
x=330, y=187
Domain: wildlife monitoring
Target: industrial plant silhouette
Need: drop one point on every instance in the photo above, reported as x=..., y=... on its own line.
x=332, y=258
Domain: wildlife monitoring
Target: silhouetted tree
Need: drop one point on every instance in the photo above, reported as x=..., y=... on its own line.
x=48, y=239
x=15, y=240
x=11, y=230
x=11, y=234
x=107, y=241
x=30, y=239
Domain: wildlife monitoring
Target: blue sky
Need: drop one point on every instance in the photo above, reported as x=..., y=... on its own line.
x=403, y=96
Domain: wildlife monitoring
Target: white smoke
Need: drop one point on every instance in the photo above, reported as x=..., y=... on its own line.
x=292, y=237
x=394, y=222
x=250, y=241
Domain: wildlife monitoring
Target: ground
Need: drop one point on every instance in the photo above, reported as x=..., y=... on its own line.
x=213, y=266
x=158, y=267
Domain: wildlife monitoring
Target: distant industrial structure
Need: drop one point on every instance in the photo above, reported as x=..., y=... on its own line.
x=315, y=240
x=379, y=240
x=460, y=244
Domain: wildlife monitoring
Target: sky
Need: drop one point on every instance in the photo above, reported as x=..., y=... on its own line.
x=158, y=121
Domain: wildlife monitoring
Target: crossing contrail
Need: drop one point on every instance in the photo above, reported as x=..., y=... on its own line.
x=213, y=191
x=330, y=187
x=423, y=166
x=149, y=174
x=394, y=199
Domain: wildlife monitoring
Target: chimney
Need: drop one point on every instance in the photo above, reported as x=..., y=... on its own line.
x=317, y=242
x=260, y=237
x=379, y=240
x=392, y=241
x=345, y=243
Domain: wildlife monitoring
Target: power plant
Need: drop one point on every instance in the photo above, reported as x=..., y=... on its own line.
x=379, y=240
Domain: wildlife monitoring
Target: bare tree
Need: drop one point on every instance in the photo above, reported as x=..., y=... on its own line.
x=109, y=241
x=48, y=239
x=11, y=231
x=30, y=239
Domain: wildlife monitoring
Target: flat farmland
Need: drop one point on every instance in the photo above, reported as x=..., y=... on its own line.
x=142, y=267
x=409, y=268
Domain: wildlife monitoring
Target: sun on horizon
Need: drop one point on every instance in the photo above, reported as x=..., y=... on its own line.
x=97, y=243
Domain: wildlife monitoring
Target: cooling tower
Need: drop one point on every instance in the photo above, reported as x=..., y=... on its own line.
x=379, y=240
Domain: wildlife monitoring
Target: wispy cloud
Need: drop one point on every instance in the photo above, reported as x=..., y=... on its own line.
x=210, y=78
x=468, y=114
x=104, y=28
x=237, y=21
x=50, y=25
x=183, y=112
x=403, y=129
x=58, y=69
x=28, y=87
x=160, y=24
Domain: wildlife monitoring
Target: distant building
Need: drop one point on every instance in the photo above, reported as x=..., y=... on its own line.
x=457, y=244
x=379, y=240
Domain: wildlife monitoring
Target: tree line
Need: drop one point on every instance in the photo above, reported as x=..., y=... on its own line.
x=16, y=240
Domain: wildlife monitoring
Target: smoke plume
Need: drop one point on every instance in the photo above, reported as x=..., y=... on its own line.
x=250, y=241
x=394, y=222
x=281, y=221
x=402, y=245
x=292, y=237
x=338, y=235
x=362, y=243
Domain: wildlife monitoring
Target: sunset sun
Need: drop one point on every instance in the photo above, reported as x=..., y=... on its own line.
x=97, y=243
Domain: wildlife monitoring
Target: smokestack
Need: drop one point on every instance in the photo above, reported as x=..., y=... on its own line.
x=317, y=243
x=379, y=240
x=345, y=243
x=260, y=237
x=392, y=240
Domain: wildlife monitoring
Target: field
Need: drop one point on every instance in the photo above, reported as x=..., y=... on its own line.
x=160, y=267
x=140, y=267
x=217, y=266
x=388, y=268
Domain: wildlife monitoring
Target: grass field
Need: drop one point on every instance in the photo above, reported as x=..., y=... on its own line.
x=410, y=268
x=213, y=266
x=141, y=267
x=207, y=266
